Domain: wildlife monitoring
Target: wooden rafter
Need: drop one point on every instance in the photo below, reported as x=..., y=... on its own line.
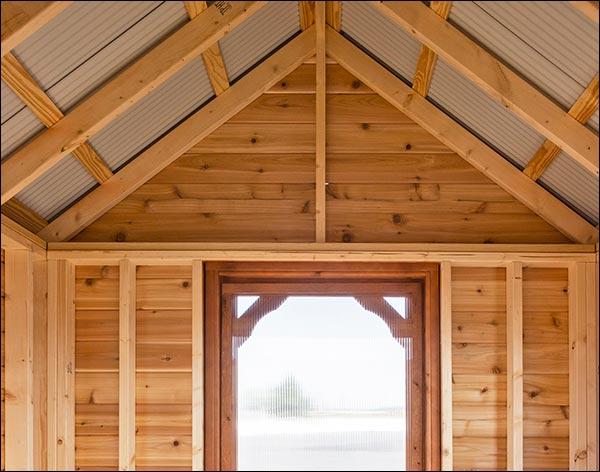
x=307, y=14
x=121, y=93
x=213, y=60
x=428, y=58
x=27, y=89
x=334, y=14
x=24, y=215
x=583, y=109
x=21, y=19
x=589, y=9
x=453, y=135
x=496, y=79
x=321, y=124
x=188, y=133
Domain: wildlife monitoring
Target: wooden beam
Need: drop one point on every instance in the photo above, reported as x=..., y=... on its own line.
x=19, y=360
x=61, y=365
x=40, y=361
x=589, y=9
x=26, y=88
x=320, y=126
x=121, y=93
x=127, y=313
x=307, y=14
x=446, y=362
x=428, y=58
x=188, y=133
x=334, y=14
x=213, y=60
x=24, y=215
x=453, y=135
x=21, y=19
x=14, y=236
x=514, y=367
x=583, y=109
x=577, y=367
x=197, y=366
x=496, y=79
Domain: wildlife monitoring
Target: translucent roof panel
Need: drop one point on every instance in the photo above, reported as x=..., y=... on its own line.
x=380, y=36
x=260, y=34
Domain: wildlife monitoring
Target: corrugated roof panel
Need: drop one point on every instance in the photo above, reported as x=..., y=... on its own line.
x=56, y=189
x=64, y=43
x=593, y=122
x=382, y=37
x=11, y=104
x=546, y=42
x=18, y=130
x=573, y=184
x=251, y=41
x=150, y=118
x=124, y=49
x=470, y=105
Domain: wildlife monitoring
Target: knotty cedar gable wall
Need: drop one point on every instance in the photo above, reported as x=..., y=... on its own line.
x=482, y=396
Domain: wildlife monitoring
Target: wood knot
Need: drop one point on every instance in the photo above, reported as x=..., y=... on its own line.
x=397, y=219
x=496, y=370
x=253, y=140
x=355, y=84
x=347, y=238
x=283, y=84
x=120, y=237
x=176, y=443
x=364, y=126
x=89, y=282
x=185, y=284
x=408, y=147
x=484, y=390
x=533, y=394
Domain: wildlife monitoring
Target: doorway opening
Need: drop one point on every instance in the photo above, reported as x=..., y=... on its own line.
x=321, y=367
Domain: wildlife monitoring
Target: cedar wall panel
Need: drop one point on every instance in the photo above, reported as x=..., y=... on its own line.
x=253, y=179
x=164, y=368
x=97, y=368
x=546, y=369
x=2, y=313
x=479, y=368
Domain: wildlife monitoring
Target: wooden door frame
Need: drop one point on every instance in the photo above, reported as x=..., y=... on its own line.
x=217, y=273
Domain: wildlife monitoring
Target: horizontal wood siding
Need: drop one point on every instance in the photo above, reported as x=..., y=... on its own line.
x=545, y=369
x=479, y=368
x=164, y=368
x=253, y=179
x=96, y=368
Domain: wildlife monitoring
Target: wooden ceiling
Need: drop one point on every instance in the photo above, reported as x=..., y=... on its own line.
x=216, y=128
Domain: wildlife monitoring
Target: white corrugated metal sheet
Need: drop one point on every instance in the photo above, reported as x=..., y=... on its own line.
x=55, y=190
x=573, y=184
x=483, y=115
x=549, y=43
x=381, y=37
x=19, y=129
x=593, y=122
x=154, y=115
x=11, y=104
x=260, y=34
x=69, y=63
